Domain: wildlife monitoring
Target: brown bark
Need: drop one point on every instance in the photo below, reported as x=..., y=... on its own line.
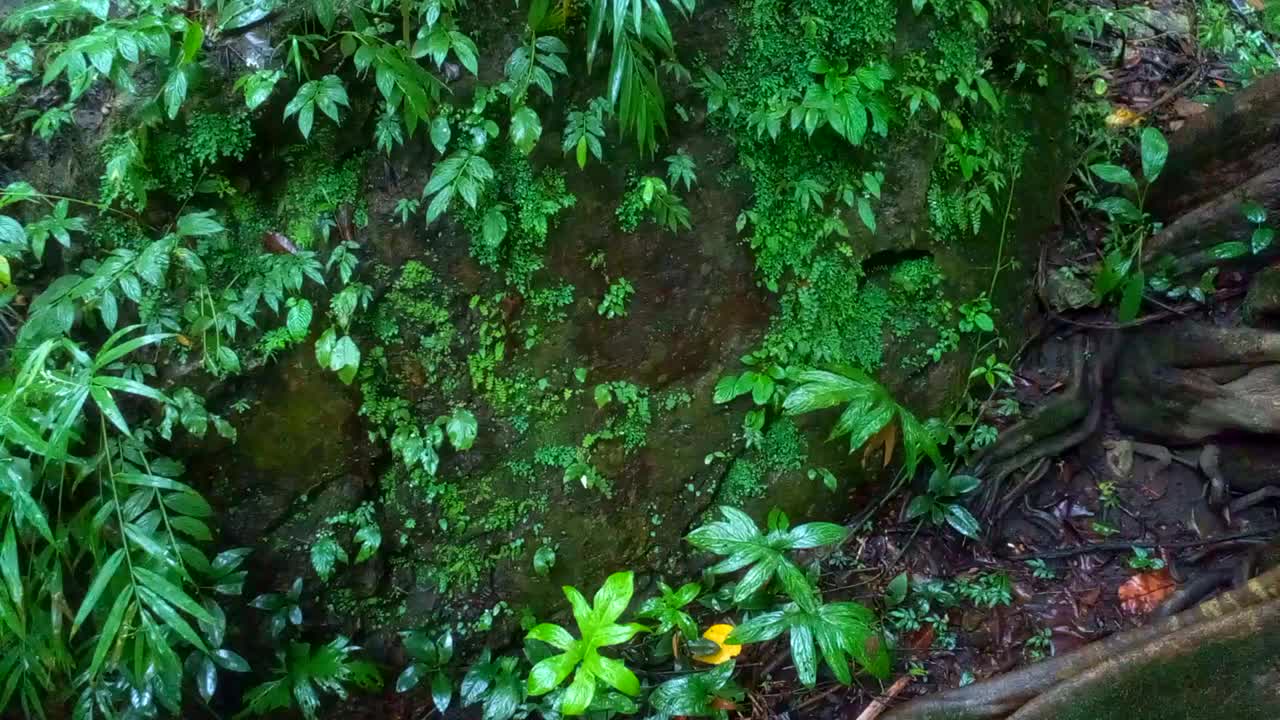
x=1235, y=140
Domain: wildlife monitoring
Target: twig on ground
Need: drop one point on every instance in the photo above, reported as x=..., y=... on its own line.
x=1126, y=545
x=879, y=705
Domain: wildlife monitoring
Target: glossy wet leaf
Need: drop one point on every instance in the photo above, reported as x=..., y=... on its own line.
x=1155, y=152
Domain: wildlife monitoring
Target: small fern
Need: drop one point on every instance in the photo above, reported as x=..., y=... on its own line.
x=303, y=674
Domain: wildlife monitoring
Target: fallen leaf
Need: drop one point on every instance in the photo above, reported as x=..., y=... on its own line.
x=1188, y=108
x=1123, y=117
x=717, y=635
x=1259, y=5
x=278, y=243
x=887, y=439
x=922, y=639
x=1143, y=592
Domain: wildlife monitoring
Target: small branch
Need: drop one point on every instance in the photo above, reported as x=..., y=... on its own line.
x=879, y=705
x=1125, y=545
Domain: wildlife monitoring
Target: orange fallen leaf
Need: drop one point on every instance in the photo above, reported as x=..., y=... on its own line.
x=1143, y=592
x=887, y=439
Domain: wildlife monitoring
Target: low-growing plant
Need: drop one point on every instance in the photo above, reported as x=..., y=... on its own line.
x=305, y=672
x=668, y=609
x=430, y=661
x=598, y=627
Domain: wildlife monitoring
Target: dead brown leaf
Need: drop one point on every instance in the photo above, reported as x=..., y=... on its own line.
x=278, y=243
x=1143, y=592
x=1188, y=108
x=887, y=439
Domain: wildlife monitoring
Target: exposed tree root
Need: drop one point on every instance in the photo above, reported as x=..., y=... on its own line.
x=1054, y=704
x=1049, y=419
x=1009, y=696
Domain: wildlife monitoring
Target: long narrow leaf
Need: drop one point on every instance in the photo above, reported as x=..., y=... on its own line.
x=170, y=617
x=96, y=588
x=106, y=357
x=172, y=594
x=110, y=628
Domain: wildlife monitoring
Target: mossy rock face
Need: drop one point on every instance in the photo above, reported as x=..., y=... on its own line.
x=470, y=534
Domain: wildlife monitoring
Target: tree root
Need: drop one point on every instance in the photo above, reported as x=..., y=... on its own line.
x=1261, y=620
x=1005, y=696
x=1036, y=474
x=1049, y=433
x=1244, y=502
x=1051, y=418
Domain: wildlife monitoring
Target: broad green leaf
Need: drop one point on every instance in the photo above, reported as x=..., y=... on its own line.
x=962, y=520
x=543, y=560
x=1114, y=174
x=230, y=660
x=175, y=91
x=345, y=360
x=1253, y=212
x=107, y=405
x=198, y=223
x=440, y=133
x=461, y=429
x=612, y=673
x=896, y=592
x=441, y=692
x=726, y=389
x=553, y=635
x=298, y=321
x=1131, y=298
x=550, y=672
x=817, y=534
x=1228, y=250
x=494, y=228
x=410, y=677
x=761, y=628
x=1120, y=208
x=804, y=655
x=1155, y=151
x=12, y=232
x=526, y=129
x=616, y=634
x=1261, y=239
x=612, y=598
x=578, y=697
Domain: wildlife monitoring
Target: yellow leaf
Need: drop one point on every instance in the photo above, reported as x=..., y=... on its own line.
x=717, y=634
x=5, y=279
x=1123, y=117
